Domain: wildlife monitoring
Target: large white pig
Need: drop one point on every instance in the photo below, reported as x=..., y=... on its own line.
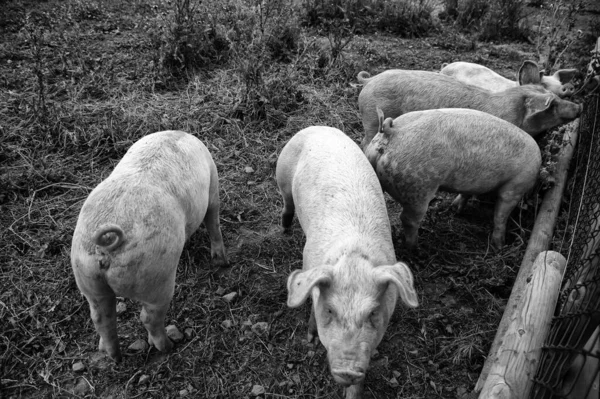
x=132, y=228
x=481, y=76
x=349, y=265
x=397, y=91
x=456, y=150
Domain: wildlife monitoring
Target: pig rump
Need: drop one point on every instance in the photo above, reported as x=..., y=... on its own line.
x=132, y=228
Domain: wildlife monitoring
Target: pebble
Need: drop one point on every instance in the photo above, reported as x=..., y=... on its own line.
x=226, y=323
x=79, y=366
x=261, y=328
x=141, y=345
x=189, y=333
x=121, y=308
x=174, y=333
x=257, y=390
x=82, y=387
x=144, y=378
x=184, y=392
x=229, y=297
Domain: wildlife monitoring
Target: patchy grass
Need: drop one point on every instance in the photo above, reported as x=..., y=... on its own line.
x=82, y=80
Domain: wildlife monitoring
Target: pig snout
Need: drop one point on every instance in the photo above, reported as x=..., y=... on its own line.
x=567, y=90
x=348, y=365
x=569, y=110
x=347, y=377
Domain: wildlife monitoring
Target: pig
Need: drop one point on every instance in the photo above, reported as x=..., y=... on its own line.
x=456, y=150
x=349, y=265
x=481, y=76
x=132, y=227
x=397, y=91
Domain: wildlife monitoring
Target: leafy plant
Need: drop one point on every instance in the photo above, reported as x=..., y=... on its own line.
x=555, y=34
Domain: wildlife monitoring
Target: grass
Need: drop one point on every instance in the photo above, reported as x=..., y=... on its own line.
x=81, y=81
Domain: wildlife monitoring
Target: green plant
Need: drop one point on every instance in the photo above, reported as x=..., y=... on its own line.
x=500, y=19
x=188, y=36
x=555, y=34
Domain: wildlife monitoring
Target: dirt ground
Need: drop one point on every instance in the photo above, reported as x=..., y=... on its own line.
x=92, y=68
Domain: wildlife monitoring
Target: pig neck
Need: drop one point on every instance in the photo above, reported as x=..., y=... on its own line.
x=507, y=104
x=358, y=248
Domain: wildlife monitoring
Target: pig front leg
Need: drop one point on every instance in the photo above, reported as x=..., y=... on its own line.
x=312, y=326
x=354, y=391
x=287, y=213
x=412, y=215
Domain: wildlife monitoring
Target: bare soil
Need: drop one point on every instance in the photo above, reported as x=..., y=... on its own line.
x=95, y=71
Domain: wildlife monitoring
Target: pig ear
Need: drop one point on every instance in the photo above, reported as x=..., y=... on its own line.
x=565, y=75
x=400, y=275
x=300, y=284
x=529, y=73
x=380, y=116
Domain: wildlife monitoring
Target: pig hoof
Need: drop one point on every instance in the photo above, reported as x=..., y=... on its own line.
x=220, y=261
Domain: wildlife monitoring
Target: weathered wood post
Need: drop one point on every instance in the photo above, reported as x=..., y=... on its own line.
x=539, y=241
x=517, y=356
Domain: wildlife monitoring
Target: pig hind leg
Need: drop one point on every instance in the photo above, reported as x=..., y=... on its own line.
x=211, y=221
x=506, y=202
x=103, y=310
x=153, y=317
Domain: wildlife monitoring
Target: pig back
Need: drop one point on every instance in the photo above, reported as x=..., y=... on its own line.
x=457, y=150
x=337, y=193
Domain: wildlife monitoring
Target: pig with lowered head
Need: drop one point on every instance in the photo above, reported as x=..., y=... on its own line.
x=457, y=150
x=132, y=228
x=481, y=76
x=349, y=266
x=397, y=91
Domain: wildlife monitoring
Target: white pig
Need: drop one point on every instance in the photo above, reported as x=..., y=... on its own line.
x=456, y=150
x=481, y=76
x=397, y=91
x=132, y=228
x=349, y=265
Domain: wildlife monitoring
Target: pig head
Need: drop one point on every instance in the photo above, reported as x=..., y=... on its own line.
x=352, y=305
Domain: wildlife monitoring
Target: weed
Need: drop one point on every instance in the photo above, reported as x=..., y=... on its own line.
x=492, y=20
x=554, y=33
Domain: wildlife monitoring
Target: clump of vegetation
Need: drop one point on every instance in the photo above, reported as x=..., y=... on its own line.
x=554, y=34
x=496, y=20
x=188, y=36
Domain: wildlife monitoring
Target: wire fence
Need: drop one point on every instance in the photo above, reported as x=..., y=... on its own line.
x=570, y=358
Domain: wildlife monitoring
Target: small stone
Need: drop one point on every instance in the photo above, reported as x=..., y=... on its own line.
x=78, y=367
x=184, y=392
x=257, y=390
x=82, y=387
x=140, y=345
x=121, y=308
x=396, y=374
x=296, y=379
x=310, y=353
x=229, y=297
x=249, y=169
x=226, y=323
x=394, y=382
x=261, y=328
x=220, y=291
x=189, y=333
x=174, y=333
x=144, y=378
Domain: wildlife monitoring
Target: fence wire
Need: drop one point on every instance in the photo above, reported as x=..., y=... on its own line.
x=569, y=363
